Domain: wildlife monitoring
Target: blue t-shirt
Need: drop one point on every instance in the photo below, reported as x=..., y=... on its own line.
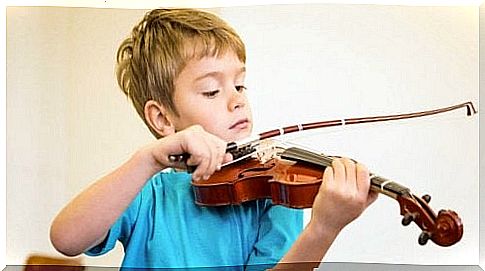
x=164, y=228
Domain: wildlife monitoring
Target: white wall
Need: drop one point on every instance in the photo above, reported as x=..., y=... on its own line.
x=309, y=63
x=68, y=124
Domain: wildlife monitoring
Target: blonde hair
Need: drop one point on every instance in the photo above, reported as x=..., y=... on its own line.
x=151, y=58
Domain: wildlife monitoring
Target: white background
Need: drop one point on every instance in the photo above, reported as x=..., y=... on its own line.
x=68, y=124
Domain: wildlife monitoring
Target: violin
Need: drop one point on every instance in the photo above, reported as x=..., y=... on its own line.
x=292, y=176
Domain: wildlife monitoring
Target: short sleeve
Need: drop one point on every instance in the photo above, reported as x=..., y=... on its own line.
x=121, y=229
x=279, y=227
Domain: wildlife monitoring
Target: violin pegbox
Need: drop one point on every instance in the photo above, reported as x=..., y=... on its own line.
x=444, y=229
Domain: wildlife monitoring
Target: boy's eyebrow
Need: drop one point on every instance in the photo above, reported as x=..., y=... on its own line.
x=218, y=73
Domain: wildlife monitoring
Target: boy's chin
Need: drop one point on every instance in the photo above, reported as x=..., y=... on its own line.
x=238, y=136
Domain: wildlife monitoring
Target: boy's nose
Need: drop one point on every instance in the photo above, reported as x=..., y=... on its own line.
x=237, y=100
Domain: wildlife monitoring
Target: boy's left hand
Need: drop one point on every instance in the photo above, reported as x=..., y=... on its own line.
x=343, y=195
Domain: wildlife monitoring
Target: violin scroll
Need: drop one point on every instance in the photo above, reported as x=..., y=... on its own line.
x=444, y=229
x=449, y=228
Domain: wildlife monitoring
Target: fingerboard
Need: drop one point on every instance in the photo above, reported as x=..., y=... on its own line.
x=378, y=183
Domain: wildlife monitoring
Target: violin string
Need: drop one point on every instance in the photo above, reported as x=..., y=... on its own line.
x=247, y=155
x=287, y=142
x=237, y=160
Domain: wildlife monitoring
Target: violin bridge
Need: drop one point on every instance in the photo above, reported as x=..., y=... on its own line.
x=267, y=150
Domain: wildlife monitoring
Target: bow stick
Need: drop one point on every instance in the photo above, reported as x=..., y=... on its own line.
x=239, y=148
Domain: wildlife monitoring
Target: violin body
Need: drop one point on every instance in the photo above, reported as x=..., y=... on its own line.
x=289, y=183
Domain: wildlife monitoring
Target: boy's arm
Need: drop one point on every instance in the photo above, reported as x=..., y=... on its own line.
x=308, y=250
x=343, y=196
x=86, y=220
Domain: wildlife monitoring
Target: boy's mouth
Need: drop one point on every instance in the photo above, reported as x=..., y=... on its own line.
x=240, y=124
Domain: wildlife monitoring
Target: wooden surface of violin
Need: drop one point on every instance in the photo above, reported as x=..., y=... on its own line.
x=292, y=178
x=288, y=183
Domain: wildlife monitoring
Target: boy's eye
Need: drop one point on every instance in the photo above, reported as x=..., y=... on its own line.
x=211, y=94
x=240, y=88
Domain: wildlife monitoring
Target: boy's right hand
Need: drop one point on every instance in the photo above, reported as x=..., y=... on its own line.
x=207, y=151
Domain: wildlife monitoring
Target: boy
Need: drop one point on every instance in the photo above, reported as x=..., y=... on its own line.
x=184, y=71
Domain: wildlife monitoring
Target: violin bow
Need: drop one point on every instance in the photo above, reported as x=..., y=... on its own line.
x=242, y=147
x=253, y=141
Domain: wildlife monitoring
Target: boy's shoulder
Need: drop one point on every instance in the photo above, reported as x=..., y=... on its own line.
x=168, y=178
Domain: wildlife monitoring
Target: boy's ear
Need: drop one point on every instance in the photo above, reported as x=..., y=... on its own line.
x=157, y=117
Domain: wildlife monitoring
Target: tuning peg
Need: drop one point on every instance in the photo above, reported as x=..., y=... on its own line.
x=442, y=212
x=423, y=238
x=408, y=218
x=426, y=198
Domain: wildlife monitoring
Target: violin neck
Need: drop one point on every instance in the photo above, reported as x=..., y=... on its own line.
x=378, y=183
x=388, y=187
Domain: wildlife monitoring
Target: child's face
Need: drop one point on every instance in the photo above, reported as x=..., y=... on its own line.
x=210, y=92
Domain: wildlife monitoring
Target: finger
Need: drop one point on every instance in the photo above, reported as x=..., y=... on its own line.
x=221, y=153
x=194, y=143
x=350, y=174
x=201, y=166
x=218, y=148
x=371, y=197
x=328, y=178
x=227, y=158
x=363, y=181
x=199, y=158
x=338, y=171
x=213, y=156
